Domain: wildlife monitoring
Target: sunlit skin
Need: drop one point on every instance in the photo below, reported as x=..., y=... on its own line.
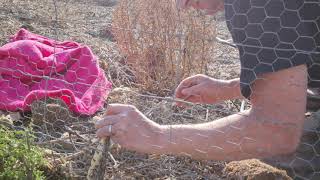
x=210, y=6
x=272, y=126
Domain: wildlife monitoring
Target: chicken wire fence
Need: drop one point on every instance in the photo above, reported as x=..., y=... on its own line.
x=59, y=88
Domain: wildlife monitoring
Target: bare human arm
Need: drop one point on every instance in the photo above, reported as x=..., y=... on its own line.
x=206, y=90
x=210, y=6
x=271, y=127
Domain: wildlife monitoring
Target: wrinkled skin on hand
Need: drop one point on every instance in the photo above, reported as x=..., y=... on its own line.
x=130, y=128
x=202, y=89
x=210, y=6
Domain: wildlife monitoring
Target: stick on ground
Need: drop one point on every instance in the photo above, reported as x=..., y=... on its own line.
x=98, y=162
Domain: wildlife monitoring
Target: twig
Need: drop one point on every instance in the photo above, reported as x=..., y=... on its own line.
x=113, y=159
x=72, y=143
x=98, y=162
x=183, y=115
x=170, y=99
x=243, y=104
x=58, y=141
x=70, y=131
x=207, y=114
x=50, y=142
x=89, y=132
x=75, y=155
x=222, y=41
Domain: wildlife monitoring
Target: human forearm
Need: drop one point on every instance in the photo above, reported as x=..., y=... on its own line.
x=272, y=126
x=231, y=90
x=223, y=90
x=235, y=137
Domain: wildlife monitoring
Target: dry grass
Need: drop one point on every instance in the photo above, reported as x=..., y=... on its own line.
x=90, y=22
x=162, y=44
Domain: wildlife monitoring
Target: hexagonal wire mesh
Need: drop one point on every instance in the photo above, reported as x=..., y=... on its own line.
x=57, y=87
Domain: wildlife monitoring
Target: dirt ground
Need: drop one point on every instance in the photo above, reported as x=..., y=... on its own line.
x=89, y=22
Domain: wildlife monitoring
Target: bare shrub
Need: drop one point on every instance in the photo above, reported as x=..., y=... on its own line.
x=163, y=44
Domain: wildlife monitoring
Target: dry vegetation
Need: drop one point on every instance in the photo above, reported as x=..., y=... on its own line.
x=162, y=44
x=71, y=149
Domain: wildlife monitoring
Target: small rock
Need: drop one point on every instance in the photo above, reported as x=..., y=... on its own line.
x=6, y=121
x=15, y=116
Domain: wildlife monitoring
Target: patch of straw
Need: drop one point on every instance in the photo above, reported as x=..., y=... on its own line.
x=162, y=44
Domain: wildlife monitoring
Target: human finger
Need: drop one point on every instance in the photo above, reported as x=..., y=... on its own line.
x=186, y=83
x=210, y=8
x=107, y=120
x=114, y=109
x=191, y=91
x=106, y=131
x=194, y=99
x=178, y=92
x=218, y=8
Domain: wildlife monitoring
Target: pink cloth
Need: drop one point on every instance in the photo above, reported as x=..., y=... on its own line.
x=34, y=67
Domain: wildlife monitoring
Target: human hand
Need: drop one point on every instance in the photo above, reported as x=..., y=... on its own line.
x=203, y=89
x=210, y=6
x=129, y=128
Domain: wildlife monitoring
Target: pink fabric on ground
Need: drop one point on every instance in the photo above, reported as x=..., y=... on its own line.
x=34, y=67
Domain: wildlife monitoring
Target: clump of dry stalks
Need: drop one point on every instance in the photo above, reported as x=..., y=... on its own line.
x=162, y=43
